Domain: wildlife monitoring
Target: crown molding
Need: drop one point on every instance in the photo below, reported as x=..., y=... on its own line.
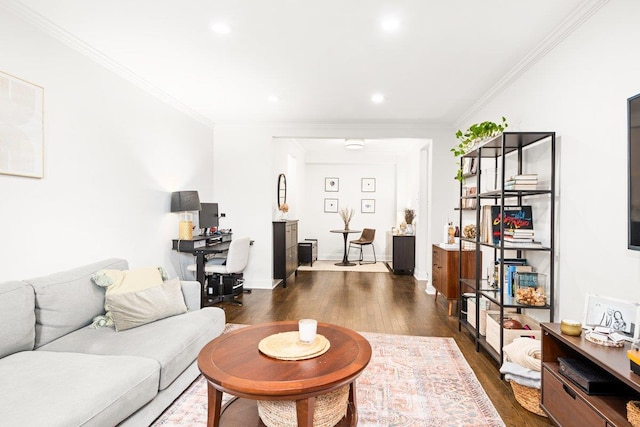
x=581, y=14
x=75, y=43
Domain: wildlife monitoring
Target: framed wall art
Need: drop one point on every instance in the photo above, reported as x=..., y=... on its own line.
x=21, y=127
x=331, y=205
x=368, y=185
x=331, y=184
x=617, y=314
x=368, y=205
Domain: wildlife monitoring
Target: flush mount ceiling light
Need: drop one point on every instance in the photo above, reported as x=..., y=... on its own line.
x=377, y=98
x=354, y=144
x=390, y=24
x=273, y=98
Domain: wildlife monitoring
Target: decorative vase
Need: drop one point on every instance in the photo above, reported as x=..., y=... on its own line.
x=346, y=226
x=410, y=229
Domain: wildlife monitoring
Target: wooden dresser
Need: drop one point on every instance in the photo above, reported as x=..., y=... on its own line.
x=445, y=271
x=285, y=249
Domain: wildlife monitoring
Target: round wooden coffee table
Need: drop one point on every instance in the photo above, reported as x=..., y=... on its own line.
x=233, y=364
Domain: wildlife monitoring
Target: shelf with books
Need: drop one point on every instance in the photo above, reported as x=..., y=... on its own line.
x=515, y=223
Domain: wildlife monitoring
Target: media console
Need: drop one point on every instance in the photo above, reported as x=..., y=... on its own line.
x=567, y=404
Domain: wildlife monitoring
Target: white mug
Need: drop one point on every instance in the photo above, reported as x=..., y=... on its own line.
x=307, y=330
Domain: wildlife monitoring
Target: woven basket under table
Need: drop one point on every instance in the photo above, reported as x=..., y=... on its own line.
x=633, y=413
x=329, y=409
x=528, y=398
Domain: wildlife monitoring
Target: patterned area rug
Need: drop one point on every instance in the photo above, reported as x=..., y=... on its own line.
x=410, y=381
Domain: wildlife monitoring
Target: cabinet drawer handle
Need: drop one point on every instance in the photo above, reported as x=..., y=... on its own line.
x=568, y=391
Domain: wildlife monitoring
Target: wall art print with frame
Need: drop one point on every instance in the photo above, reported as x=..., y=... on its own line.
x=21, y=127
x=368, y=205
x=331, y=184
x=368, y=185
x=617, y=314
x=331, y=205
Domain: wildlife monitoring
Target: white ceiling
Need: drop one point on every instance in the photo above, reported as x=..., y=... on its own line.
x=322, y=58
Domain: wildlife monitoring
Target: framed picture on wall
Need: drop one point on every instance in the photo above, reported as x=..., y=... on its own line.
x=368, y=185
x=331, y=184
x=331, y=205
x=368, y=205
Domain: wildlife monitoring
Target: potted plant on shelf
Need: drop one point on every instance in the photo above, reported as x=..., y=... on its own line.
x=473, y=136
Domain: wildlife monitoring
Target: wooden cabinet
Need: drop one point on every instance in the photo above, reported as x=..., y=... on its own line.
x=567, y=404
x=445, y=272
x=403, y=257
x=285, y=249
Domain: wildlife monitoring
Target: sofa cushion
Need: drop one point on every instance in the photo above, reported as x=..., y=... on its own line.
x=131, y=309
x=17, y=318
x=173, y=342
x=40, y=388
x=69, y=300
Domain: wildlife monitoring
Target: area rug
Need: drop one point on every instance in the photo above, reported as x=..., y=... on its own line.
x=410, y=382
x=324, y=265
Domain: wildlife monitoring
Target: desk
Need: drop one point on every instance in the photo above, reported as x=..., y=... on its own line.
x=345, y=260
x=190, y=246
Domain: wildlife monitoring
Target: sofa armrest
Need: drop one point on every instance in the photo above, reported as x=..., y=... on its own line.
x=192, y=294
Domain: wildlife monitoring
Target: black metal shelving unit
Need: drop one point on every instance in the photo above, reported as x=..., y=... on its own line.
x=512, y=147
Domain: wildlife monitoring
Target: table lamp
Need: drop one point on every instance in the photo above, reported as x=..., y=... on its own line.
x=184, y=202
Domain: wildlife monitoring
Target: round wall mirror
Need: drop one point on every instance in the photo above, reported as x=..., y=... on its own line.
x=282, y=189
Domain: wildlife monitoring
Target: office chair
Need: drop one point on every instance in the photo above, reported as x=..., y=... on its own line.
x=226, y=274
x=366, y=238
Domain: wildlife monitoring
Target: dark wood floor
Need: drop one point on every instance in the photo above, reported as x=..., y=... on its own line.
x=378, y=302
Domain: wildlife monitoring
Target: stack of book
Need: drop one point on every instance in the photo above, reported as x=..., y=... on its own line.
x=522, y=182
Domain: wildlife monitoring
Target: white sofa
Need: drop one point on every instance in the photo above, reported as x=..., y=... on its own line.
x=56, y=370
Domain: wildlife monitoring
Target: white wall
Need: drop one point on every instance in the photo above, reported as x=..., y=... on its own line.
x=113, y=154
x=580, y=90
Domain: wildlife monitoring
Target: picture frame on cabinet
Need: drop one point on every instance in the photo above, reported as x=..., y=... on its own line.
x=368, y=205
x=331, y=184
x=617, y=314
x=331, y=205
x=368, y=185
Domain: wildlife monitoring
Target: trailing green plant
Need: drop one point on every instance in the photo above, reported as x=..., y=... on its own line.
x=475, y=133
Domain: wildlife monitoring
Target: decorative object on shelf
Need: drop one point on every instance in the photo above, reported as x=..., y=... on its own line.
x=633, y=413
x=284, y=210
x=184, y=202
x=368, y=185
x=331, y=205
x=531, y=288
x=602, y=339
x=368, y=205
x=331, y=184
x=619, y=315
x=571, y=327
x=409, y=216
x=473, y=136
x=346, y=214
x=451, y=233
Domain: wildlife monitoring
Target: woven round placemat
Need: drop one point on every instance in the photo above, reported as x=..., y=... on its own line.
x=287, y=346
x=329, y=409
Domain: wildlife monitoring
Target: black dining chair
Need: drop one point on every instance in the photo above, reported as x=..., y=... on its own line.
x=366, y=239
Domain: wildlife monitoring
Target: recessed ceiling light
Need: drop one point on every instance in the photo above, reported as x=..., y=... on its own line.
x=390, y=24
x=220, y=28
x=273, y=98
x=377, y=98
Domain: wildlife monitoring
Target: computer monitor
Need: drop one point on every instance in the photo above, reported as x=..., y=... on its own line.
x=208, y=216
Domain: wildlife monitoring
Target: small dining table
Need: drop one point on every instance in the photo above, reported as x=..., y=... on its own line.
x=345, y=260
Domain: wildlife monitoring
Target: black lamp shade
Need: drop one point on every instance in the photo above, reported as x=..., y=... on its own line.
x=182, y=201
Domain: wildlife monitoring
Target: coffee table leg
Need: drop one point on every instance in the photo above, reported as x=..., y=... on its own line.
x=352, y=402
x=304, y=411
x=213, y=406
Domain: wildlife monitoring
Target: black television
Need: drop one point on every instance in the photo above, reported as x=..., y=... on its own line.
x=633, y=107
x=208, y=217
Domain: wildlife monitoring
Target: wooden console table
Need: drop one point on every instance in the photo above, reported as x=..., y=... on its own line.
x=565, y=403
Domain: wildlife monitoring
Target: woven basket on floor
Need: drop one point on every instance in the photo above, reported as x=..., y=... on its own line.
x=329, y=409
x=528, y=398
x=633, y=413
